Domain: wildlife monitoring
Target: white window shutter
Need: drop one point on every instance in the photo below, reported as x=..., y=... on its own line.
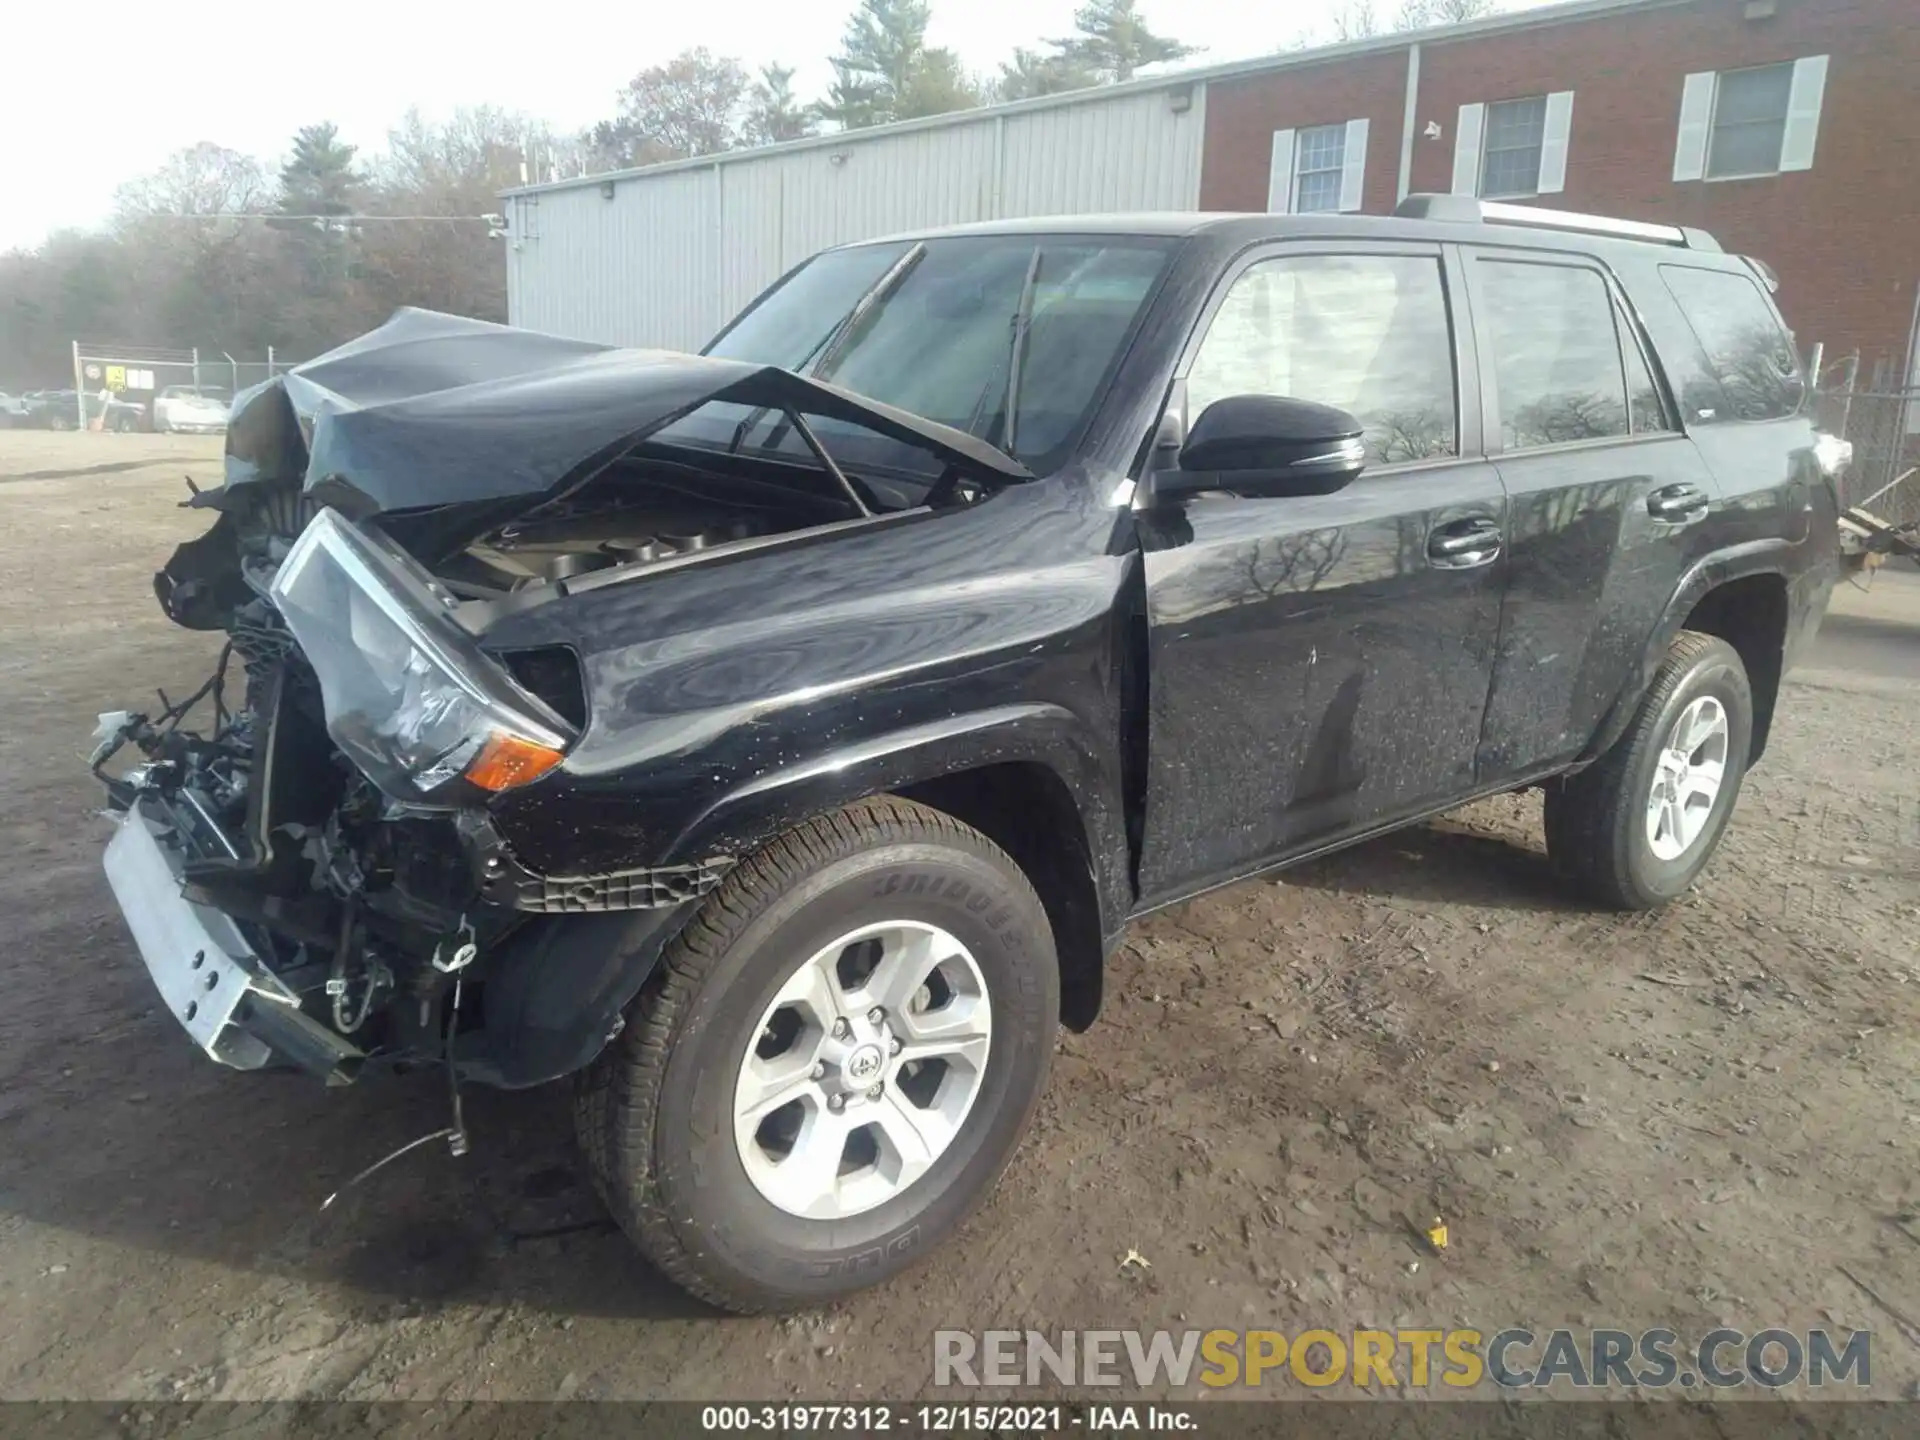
x=1553, y=143
x=1696, y=118
x=1353, y=166
x=1280, y=175
x=1466, y=149
x=1803, y=113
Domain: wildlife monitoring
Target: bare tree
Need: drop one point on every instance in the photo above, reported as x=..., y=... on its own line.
x=1420, y=14
x=203, y=179
x=692, y=105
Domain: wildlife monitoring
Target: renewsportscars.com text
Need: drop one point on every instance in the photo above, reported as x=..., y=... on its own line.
x=1513, y=1359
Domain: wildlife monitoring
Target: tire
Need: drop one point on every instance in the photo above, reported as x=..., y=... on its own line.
x=1601, y=832
x=58, y=421
x=656, y=1112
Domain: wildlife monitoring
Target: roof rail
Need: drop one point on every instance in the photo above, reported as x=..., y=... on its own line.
x=1468, y=210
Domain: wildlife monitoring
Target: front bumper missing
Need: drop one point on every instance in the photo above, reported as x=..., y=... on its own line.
x=212, y=980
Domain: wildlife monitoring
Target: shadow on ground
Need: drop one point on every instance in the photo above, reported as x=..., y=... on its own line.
x=1445, y=862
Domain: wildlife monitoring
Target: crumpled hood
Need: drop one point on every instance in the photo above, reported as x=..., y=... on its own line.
x=433, y=409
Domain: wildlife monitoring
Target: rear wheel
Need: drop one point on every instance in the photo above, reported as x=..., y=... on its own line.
x=833, y=1063
x=1635, y=828
x=59, y=421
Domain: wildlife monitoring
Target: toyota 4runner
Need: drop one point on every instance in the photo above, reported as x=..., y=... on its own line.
x=779, y=740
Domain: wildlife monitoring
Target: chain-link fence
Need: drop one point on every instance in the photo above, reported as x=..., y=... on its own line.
x=1883, y=422
x=135, y=375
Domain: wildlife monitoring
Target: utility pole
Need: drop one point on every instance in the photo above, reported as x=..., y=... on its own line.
x=79, y=388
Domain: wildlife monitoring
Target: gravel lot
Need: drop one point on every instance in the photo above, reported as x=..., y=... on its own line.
x=1706, y=1116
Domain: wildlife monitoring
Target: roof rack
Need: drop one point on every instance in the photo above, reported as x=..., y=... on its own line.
x=1468, y=210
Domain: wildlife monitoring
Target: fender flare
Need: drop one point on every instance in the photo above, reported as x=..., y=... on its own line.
x=560, y=984
x=748, y=815
x=1737, y=562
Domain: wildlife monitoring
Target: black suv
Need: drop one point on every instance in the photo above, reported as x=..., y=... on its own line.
x=780, y=739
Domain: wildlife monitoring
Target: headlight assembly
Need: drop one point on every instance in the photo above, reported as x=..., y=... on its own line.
x=409, y=697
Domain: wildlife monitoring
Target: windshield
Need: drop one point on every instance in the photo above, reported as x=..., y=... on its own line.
x=942, y=338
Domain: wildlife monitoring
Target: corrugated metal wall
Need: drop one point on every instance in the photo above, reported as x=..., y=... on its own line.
x=669, y=256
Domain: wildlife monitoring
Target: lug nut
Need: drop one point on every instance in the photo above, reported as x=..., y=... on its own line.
x=876, y=1015
x=895, y=1045
x=876, y=1092
x=836, y=1103
x=819, y=1070
x=841, y=1029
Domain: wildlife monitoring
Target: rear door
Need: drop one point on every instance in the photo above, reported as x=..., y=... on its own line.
x=1319, y=665
x=1607, y=500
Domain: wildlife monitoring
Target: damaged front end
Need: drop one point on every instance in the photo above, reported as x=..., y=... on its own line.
x=308, y=852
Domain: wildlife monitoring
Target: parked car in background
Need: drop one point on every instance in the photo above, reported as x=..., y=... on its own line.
x=200, y=409
x=124, y=416
x=57, y=410
x=780, y=739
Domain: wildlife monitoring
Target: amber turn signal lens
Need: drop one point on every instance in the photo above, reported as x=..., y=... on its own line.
x=507, y=760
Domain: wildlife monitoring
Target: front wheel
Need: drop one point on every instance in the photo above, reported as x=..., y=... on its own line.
x=1636, y=827
x=833, y=1062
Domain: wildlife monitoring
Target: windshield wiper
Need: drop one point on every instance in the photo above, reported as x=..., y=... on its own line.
x=829, y=346
x=1017, y=356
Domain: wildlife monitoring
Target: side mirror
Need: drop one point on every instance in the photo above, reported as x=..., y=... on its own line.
x=1267, y=445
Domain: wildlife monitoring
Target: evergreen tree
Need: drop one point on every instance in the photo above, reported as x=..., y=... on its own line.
x=1030, y=73
x=319, y=177
x=1112, y=41
x=773, y=113
x=886, y=71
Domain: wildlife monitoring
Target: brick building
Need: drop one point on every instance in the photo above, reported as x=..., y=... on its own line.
x=1788, y=128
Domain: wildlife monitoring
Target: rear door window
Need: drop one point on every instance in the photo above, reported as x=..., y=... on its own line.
x=1557, y=367
x=1746, y=349
x=1368, y=333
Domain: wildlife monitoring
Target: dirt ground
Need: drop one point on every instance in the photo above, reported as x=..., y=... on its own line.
x=1702, y=1117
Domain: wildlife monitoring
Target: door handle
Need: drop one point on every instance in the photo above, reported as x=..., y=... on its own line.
x=1678, y=504
x=1464, y=544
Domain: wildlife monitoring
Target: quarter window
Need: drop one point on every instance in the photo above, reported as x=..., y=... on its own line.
x=1746, y=348
x=1556, y=354
x=1515, y=132
x=1368, y=333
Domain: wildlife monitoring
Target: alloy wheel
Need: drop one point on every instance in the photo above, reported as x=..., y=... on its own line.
x=1687, y=776
x=863, y=1069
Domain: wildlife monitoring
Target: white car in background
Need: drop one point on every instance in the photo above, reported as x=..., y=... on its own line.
x=200, y=408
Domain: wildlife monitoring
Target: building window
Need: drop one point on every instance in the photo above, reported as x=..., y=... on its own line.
x=1739, y=124
x=1749, y=122
x=1511, y=165
x=1320, y=157
x=1320, y=168
x=1513, y=149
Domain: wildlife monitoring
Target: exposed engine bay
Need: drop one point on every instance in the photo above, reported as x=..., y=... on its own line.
x=309, y=854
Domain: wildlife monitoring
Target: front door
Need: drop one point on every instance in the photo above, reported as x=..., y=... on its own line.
x=1319, y=666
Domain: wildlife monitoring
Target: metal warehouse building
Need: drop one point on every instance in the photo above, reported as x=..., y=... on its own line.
x=1787, y=127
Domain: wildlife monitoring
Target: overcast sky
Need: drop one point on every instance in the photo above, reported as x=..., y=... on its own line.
x=94, y=98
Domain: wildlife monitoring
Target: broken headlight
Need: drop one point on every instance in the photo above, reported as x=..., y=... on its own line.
x=409, y=697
